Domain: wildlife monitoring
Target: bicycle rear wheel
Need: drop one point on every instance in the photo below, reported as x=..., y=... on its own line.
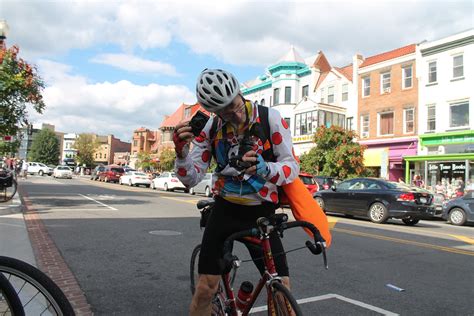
x=283, y=303
x=194, y=268
x=10, y=303
x=38, y=294
x=7, y=193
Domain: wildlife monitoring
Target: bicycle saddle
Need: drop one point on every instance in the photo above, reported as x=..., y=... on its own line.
x=203, y=203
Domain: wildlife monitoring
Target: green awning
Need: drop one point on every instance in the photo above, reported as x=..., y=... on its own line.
x=468, y=156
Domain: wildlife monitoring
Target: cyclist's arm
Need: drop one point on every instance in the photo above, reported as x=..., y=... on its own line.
x=286, y=168
x=191, y=169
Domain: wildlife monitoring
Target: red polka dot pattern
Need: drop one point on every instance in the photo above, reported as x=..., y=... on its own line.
x=259, y=151
x=201, y=137
x=182, y=172
x=286, y=171
x=263, y=191
x=275, y=178
x=284, y=123
x=274, y=197
x=276, y=138
x=206, y=156
x=197, y=169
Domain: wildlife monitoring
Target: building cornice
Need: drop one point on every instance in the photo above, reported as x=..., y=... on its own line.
x=446, y=46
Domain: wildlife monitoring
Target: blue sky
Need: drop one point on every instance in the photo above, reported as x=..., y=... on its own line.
x=112, y=66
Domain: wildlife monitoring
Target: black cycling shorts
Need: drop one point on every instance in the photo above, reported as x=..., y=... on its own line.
x=228, y=218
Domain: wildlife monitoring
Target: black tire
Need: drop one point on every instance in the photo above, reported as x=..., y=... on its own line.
x=281, y=299
x=457, y=216
x=193, y=271
x=378, y=213
x=9, y=300
x=25, y=278
x=410, y=221
x=7, y=193
x=40, y=173
x=320, y=202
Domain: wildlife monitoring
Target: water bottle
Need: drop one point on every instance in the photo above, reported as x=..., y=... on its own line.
x=243, y=297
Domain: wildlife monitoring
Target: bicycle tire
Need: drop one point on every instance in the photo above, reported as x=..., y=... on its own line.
x=283, y=301
x=26, y=280
x=10, y=303
x=7, y=193
x=194, y=267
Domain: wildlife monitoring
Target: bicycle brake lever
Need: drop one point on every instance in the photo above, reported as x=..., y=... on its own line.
x=325, y=259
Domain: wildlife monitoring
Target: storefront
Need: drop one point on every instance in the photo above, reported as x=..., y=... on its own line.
x=447, y=158
x=386, y=157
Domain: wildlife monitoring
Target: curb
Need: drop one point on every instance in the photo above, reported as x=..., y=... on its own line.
x=11, y=207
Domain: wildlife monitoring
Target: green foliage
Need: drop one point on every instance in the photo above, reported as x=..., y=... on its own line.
x=335, y=154
x=86, y=146
x=20, y=85
x=45, y=148
x=167, y=158
x=145, y=161
x=9, y=148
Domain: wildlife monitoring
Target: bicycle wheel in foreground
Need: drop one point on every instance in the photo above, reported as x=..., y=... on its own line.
x=38, y=294
x=283, y=302
x=7, y=192
x=10, y=303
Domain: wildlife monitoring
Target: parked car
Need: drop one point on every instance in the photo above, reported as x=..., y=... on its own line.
x=111, y=173
x=168, y=181
x=39, y=169
x=309, y=182
x=460, y=211
x=325, y=182
x=205, y=186
x=62, y=172
x=438, y=202
x=135, y=178
x=377, y=199
x=95, y=173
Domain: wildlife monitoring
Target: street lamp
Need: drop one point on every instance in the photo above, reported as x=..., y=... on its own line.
x=3, y=32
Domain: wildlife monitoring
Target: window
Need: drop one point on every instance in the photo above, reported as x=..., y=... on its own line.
x=431, y=118
x=276, y=96
x=105, y=156
x=385, y=83
x=305, y=123
x=287, y=95
x=458, y=66
x=366, y=86
x=459, y=114
x=187, y=112
x=135, y=143
x=328, y=120
x=432, y=72
x=304, y=92
x=386, y=123
x=349, y=122
x=331, y=94
x=323, y=95
x=409, y=120
x=407, y=77
x=345, y=92
x=364, y=126
x=262, y=102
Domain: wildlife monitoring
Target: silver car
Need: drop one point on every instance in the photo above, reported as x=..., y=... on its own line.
x=205, y=186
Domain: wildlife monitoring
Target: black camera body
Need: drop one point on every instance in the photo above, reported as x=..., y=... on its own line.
x=198, y=122
x=245, y=145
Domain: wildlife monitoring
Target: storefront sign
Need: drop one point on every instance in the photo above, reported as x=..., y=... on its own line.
x=303, y=138
x=431, y=140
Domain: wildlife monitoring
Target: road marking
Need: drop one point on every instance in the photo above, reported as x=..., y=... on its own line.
x=180, y=200
x=331, y=296
x=404, y=241
x=40, y=210
x=464, y=238
x=89, y=198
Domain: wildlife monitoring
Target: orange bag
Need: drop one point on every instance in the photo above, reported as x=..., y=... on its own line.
x=305, y=208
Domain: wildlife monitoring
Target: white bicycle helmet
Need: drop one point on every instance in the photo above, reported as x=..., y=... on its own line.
x=216, y=88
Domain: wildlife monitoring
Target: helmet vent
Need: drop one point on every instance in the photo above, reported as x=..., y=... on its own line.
x=218, y=91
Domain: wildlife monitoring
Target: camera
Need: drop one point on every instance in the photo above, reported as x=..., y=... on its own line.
x=245, y=145
x=198, y=122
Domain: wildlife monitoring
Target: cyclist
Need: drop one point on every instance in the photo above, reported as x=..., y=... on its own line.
x=242, y=194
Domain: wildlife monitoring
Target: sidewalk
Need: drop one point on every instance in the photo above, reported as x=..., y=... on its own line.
x=14, y=238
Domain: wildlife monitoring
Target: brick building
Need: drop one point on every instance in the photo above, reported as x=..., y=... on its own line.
x=108, y=146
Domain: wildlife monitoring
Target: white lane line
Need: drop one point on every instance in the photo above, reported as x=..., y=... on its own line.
x=330, y=296
x=89, y=198
x=97, y=209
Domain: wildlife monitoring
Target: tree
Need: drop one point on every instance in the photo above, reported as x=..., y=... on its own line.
x=20, y=86
x=86, y=146
x=335, y=154
x=145, y=161
x=45, y=148
x=167, y=158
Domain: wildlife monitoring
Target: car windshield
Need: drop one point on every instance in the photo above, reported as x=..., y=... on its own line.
x=117, y=170
x=307, y=180
x=173, y=175
x=63, y=168
x=139, y=174
x=403, y=186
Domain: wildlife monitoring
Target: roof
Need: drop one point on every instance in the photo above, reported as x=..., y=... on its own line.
x=321, y=62
x=346, y=71
x=292, y=56
x=402, y=51
x=178, y=115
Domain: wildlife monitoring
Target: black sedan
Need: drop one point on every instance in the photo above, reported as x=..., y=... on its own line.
x=377, y=199
x=460, y=210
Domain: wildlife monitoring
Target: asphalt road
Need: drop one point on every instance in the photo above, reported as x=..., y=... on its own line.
x=129, y=249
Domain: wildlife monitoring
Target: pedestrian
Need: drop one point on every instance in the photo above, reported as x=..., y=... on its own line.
x=24, y=169
x=418, y=182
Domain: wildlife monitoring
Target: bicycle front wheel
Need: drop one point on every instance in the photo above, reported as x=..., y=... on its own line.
x=283, y=303
x=38, y=294
x=10, y=303
x=7, y=193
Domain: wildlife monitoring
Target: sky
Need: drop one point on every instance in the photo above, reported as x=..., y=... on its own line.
x=111, y=67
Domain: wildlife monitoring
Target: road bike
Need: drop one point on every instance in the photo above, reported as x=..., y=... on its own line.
x=25, y=290
x=280, y=301
x=8, y=185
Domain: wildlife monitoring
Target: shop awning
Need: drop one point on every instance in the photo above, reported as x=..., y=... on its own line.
x=467, y=156
x=373, y=156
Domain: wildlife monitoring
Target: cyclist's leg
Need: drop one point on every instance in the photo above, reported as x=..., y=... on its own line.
x=205, y=291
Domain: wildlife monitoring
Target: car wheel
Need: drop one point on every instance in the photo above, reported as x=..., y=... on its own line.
x=191, y=191
x=208, y=192
x=410, y=221
x=40, y=173
x=378, y=213
x=165, y=187
x=320, y=202
x=457, y=216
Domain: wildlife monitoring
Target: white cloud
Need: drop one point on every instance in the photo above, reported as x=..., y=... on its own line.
x=135, y=64
x=75, y=105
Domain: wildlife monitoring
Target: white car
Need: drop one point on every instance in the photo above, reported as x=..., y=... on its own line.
x=39, y=168
x=62, y=172
x=135, y=178
x=205, y=186
x=168, y=181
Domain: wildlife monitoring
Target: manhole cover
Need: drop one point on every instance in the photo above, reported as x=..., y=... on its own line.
x=165, y=233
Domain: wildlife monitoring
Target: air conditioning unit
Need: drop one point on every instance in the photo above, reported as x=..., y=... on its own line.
x=387, y=90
